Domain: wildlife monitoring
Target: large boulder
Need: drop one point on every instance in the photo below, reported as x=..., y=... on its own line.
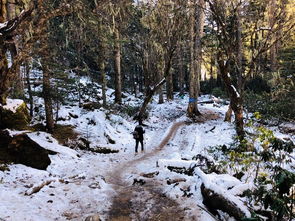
x=14, y=115
x=20, y=148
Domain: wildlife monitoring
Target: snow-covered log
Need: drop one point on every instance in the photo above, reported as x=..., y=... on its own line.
x=215, y=201
x=180, y=166
x=178, y=180
x=221, y=192
x=37, y=188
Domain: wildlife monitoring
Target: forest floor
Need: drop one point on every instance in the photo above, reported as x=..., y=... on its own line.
x=80, y=183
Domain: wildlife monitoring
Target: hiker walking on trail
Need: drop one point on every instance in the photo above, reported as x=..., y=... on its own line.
x=138, y=136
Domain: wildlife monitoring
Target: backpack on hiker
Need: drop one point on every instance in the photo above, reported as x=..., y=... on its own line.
x=135, y=134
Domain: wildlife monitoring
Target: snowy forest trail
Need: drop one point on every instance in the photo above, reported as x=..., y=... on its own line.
x=143, y=202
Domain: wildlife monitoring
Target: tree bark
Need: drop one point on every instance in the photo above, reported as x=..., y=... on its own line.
x=47, y=97
x=160, y=76
x=200, y=19
x=101, y=62
x=181, y=69
x=228, y=114
x=11, y=12
x=196, y=32
x=4, y=83
x=6, y=34
x=169, y=87
x=236, y=101
x=273, y=48
x=117, y=58
x=145, y=68
x=104, y=83
x=3, y=14
x=31, y=101
x=149, y=95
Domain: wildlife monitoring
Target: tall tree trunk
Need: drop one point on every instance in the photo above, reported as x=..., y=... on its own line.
x=239, y=51
x=18, y=84
x=117, y=58
x=7, y=74
x=103, y=83
x=200, y=19
x=237, y=68
x=273, y=49
x=101, y=62
x=4, y=83
x=47, y=97
x=3, y=59
x=31, y=101
x=145, y=68
x=3, y=10
x=181, y=69
x=169, y=86
x=196, y=32
x=236, y=102
x=160, y=76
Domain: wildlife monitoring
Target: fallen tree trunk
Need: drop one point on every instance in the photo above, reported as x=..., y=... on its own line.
x=103, y=150
x=182, y=170
x=37, y=188
x=178, y=180
x=214, y=201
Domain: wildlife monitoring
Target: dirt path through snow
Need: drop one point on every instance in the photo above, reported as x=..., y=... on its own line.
x=146, y=202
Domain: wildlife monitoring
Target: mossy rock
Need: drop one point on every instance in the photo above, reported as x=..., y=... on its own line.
x=17, y=118
x=21, y=149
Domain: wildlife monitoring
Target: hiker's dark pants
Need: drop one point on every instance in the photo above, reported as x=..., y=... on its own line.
x=136, y=146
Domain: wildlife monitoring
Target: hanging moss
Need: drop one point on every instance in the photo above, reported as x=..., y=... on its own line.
x=18, y=120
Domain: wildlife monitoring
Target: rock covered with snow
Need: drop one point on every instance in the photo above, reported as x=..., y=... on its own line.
x=21, y=149
x=14, y=115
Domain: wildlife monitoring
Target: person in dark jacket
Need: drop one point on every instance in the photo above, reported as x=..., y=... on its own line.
x=138, y=136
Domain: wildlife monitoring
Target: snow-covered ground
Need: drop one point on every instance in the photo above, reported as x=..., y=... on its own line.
x=76, y=182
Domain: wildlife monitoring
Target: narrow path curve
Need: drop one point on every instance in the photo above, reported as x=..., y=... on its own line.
x=147, y=202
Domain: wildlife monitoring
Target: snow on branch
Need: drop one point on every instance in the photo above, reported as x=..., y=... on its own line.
x=9, y=26
x=158, y=84
x=235, y=90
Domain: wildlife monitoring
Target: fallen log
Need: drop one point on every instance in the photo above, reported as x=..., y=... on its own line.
x=150, y=175
x=182, y=170
x=37, y=188
x=103, y=150
x=214, y=201
x=170, y=181
x=222, y=192
x=180, y=166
